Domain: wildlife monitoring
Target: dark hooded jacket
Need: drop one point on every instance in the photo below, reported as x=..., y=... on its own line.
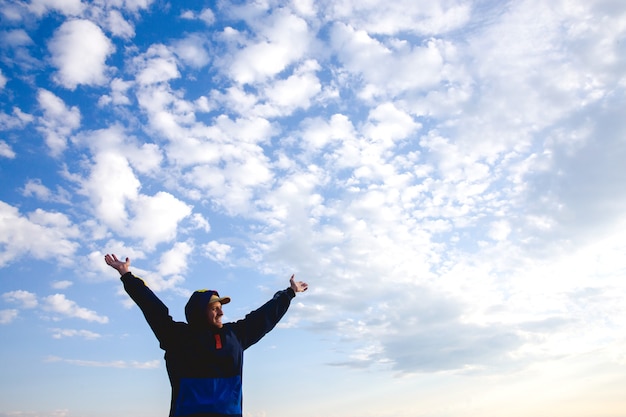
x=205, y=365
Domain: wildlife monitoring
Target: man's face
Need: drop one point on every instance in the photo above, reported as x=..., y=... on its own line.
x=214, y=314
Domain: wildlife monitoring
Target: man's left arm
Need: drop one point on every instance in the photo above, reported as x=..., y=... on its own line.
x=259, y=322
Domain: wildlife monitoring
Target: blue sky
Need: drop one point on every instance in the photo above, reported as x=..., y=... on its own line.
x=448, y=176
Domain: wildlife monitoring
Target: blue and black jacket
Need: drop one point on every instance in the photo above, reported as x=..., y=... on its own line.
x=205, y=365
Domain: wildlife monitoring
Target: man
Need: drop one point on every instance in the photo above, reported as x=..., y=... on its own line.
x=204, y=357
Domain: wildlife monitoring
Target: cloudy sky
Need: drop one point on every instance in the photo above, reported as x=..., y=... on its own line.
x=447, y=175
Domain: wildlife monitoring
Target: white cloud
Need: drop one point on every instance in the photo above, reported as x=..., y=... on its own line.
x=111, y=184
x=145, y=158
x=192, y=50
x=41, y=234
x=61, y=285
x=25, y=298
x=282, y=40
x=206, y=15
x=453, y=163
x=58, y=303
x=7, y=316
x=305, y=7
x=233, y=144
x=169, y=115
x=387, y=123
x=294, y=92
x=235, y=188
x=216, y=251
x=17, y=120
x=237, y=98
x=158, y=283
x=119, y=96
x=13, y=13
x=383, y=17
x=157, y=65
x=506, y=55
x=58, y=121
x=16, y=38
x=389, y=70
x=156, y=217
x=200, y=222
x=79, y=51
x=119, y=26
x=6, y=151
x=113, y=188
x=500, y=230
x=34, y=188
x=174, y=261
x=319, y=133
x=136, y=5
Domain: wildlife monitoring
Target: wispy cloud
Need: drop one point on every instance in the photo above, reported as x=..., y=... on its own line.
x=108, y=364
x=52, y=413
x=26, y=299
x=85, y=334
x=6, y=151
x=61, y=285
x=7, y=316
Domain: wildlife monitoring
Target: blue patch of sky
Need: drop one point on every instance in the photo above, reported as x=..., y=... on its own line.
x=27, y=165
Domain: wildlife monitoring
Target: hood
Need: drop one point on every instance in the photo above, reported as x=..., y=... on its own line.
x=195, y=310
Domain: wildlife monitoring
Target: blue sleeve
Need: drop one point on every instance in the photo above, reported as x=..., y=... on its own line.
x=156, y=313
x=261, y=321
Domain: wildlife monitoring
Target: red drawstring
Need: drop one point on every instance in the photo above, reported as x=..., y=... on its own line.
x=218, y=341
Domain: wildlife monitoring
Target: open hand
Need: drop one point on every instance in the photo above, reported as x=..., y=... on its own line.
x=297, y=286
x=113, y=262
